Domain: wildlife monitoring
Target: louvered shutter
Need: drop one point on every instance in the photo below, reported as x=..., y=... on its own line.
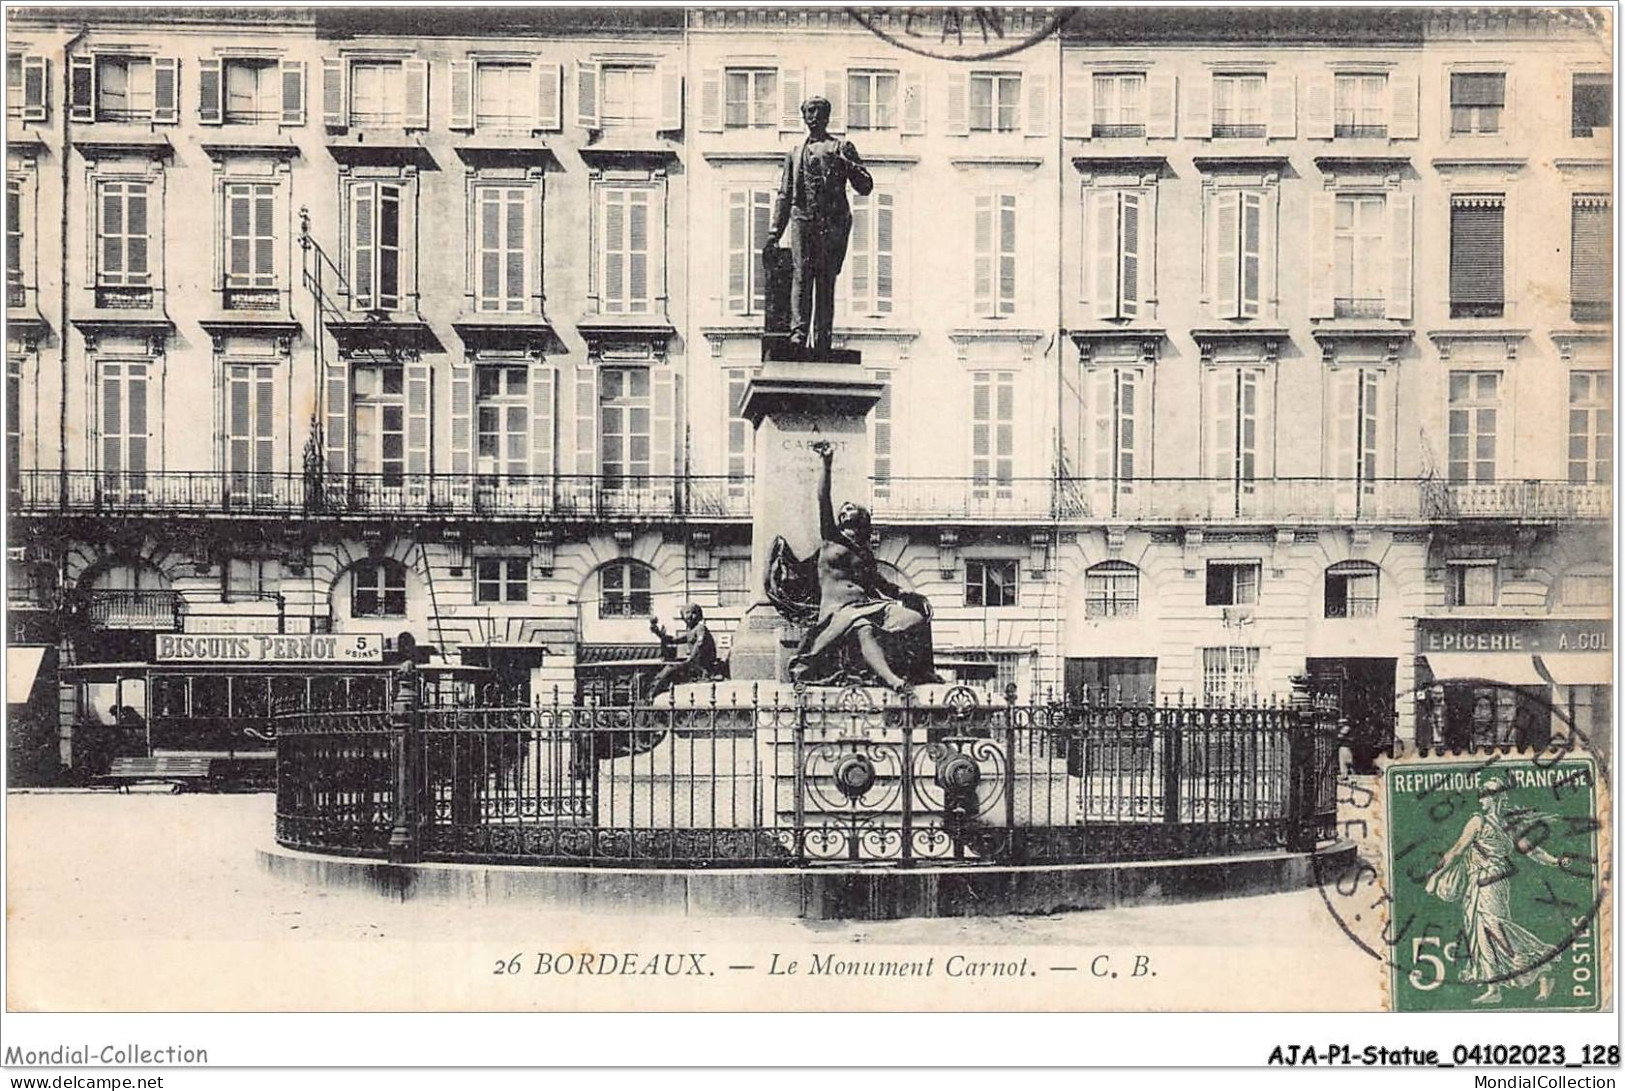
x=1103, y=251
x=913, y=103
x=1345, y=422
x=884, y=213
x=790, y=97
x=462, y=420
x=335, y=102
x=1102, y=420
x=587, y=94
x=1319, y=107
x=1128, y=278
x=835, y=91
x=880, y=431
x=1322, y=253
x=337, y=416
x=1161, y=92
x=36, y=88
x=1477, y=254
x=461, y=87
x=1252, y=254
x=1400, y=246
x=1038, y=104
x=293, y=92
x=736, y=214
x=670, y=79
x=664, y=436
x=983, y=255
x=637, y=252
x=416, y=78
x=1227, y=219
x=1283, y=92
x=612, y=281
x=586, y=403
x=82, y=87
x=1590, y=259
x=1077, y=109
x=549, y=96
x=166, y=90
x=711, y=100
x=1222, y=442
x=209, y=91
x=1198, y=124
x=542, y=414
x=418, y=407
x=1404, y=105
x=958, y=89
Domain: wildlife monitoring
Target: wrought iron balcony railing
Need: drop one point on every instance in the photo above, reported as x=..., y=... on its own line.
x=1173, y=501
x=139, y=611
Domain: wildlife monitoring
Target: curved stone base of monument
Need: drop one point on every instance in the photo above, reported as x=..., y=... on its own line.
x=860, y=893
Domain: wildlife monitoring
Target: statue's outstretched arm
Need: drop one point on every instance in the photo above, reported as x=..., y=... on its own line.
x=828, y=529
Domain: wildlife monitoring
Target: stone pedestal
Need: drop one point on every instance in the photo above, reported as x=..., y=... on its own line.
x=791, y=406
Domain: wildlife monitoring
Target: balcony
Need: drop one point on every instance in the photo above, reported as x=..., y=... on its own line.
x=1166, y=501
x=130, y=611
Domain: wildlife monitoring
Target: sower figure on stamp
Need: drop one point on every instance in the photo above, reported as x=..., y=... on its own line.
x=812, y=203
x=699, y=661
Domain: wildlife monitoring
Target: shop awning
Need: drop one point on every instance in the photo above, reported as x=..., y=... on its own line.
x=22, y=668
x=1578, y=668
x=1511, y=670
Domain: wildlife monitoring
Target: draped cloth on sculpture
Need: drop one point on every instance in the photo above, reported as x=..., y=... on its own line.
x=1499, y=950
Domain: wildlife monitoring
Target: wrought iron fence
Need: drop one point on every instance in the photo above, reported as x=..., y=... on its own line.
x=808, y=783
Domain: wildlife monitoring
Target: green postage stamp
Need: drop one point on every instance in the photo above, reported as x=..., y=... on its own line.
x=1498, y=872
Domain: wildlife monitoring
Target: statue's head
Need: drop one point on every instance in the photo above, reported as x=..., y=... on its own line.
x=854, y=520
x=1489, y=795
x=692, y=614
x=815, y=112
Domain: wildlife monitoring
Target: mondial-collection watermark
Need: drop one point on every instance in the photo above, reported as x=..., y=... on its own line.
x=113, y=1055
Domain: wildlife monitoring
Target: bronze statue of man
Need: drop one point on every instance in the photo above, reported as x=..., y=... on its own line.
x=812, y=203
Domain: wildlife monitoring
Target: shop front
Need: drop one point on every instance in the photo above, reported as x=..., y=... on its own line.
x=1523, y=682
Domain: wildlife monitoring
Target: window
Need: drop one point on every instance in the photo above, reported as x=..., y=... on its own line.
x=750, y=217
x=1358, y=423
x=501, y=579
x=1360, y=256
x=1591, y=427
x=870, y=261
x=1233, y=583
x=124, y=429
x=880, y=436
x=1470, y=583
x=16, y=292
x=995, y=102
x=1238, y=284
x=253, y=92
x=1124, y=680
x=1360, y=105
x=1351, y=590
x=247, y=579
x=377, y=92
x=1239, y=106
x=1593, y=103
x=1116, y=410
x=1119, y=104
x=380, y=424
x=751, y=98
x=502, y=266
x=993, y=275
x=505, y=97
x=733, y=581
x=1476, y=101
x=871, y=99
x=250, y=397
x=1111, y=589
x=251, y=266
x=1229, y=675
x=630, y=97
x=1116, y=226
x=122, y=87
x=624, y=419
x=1591, y=258
x=990, y=583
x=502, y=421
x=993, y=430
x=741, y=438
x=1475, y=401
x=375, y=245
x=1477, y=256
x=124, y=270
x=623, y=590
x=624, y=251
x=1242, y=420
x=26, y=87
x=1588, y=588
x=378, y=589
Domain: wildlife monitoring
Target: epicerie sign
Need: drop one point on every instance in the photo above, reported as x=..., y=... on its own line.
x=1511, y=635
x=270, y=648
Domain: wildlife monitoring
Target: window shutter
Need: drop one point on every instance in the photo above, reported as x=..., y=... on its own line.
x=913, y=103
x=835, y=91
x=166, y=90
x=418, y=397
x=982, y=254
x=1283, y=92
x=293, y=92
x=1320, y=99
x=1222, y=443
x=860, y=256
x=1252, y=254
x=1345, y=421
x=1161, y=94
x=462, y=95
x=82, y=87
x=586, y=390
x=1322, y=253
x=958, y=104
x=1404, y=106
x=1199, y=108
x=542, y=379
x=884, y=212
x=736, y=216
x=587, y=94
x=1590, y=260
x=209, y=91
x=711, y=100
x=612, y=279
x=1477, y=227
x=335, y=103
x=462, y=417
x=549, y=96
x=36, y=88
x=790, y=97
x=637, y=252
x=1400, y=246
x=1077, y=108
x=1102, y=288
x=1038, y=104
x=416, y=107
x=670, y=78
x=665, y=423
x=337, y=427
x=1128, y=280
x=1226, y=291
x=1102, y=420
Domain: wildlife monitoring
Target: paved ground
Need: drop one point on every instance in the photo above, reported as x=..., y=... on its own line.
x=154, y=901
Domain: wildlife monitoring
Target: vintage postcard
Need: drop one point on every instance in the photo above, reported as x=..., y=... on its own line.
x=700, y=509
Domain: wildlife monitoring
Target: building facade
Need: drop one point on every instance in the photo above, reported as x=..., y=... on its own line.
x=1220, y=349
